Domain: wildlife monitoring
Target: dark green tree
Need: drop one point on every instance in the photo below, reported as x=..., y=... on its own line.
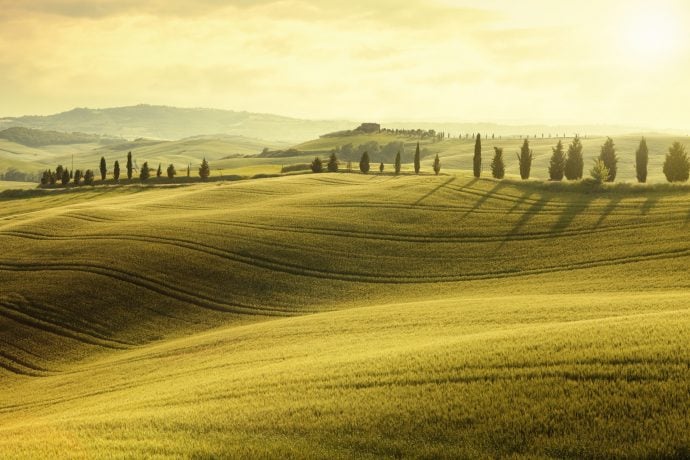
x=103, y=168
x=332, y=163
x=437, y=165
x=88, y=177
x=159, y=171
x=116, y=171
x=574, y=163
x=498, y=168
x=52, y=178
x=417, y=160
x=477, y=160
x=58, y=172
x=317, y=165
x=65, y=177
x=381, y=168
x=364, y=163
x=145, y=173
x=189, y=169
x=608, y=156
x=557, y=163
x=129, y=166
x=641, y=161
x=171, y=171
x=77, y=177
x=676, y=166
x=525, y=159
x=398, y=163
x=204, y=170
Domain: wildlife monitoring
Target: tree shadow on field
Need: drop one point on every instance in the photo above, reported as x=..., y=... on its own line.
x=649, y=204
x=484, y=198
x=533, y=210
x=571, y=210
x=439, y=187
x=610, y=207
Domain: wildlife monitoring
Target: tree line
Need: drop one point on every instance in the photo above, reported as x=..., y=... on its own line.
x=333, y=164
x=570, y=165
x=87, y=177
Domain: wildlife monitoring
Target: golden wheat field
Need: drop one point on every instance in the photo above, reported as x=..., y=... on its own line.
x=346, y=316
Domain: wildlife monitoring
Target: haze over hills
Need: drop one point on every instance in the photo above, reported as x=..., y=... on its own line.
x=174, y=123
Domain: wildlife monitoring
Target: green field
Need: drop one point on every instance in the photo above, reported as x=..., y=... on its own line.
x=344, y=315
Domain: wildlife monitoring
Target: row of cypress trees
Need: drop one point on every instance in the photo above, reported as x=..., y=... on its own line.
x=333, y=164
x=571, y=165
x=65, y=176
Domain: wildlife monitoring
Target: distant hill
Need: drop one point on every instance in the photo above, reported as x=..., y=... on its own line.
x=40, y=138
x=172, y=123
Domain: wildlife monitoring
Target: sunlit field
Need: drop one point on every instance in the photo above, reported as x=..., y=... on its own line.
x=346, y=315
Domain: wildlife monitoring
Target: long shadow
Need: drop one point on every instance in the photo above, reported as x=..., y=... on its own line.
x=520, y=201
x=569, y=214
x=649, y=205
x=448, y=182
x=534, y=209
x=610, y=207
x=484, y=198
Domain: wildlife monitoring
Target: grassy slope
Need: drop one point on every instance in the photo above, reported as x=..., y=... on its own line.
x=87, y=156
x=457, y=317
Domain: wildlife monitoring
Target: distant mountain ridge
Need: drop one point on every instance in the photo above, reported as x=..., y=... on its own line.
x=174, y=123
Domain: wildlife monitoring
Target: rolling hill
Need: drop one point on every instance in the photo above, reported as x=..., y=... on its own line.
x=174, y=123
x=344, y=315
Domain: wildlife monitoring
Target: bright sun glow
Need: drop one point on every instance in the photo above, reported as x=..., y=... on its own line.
x=651, y=34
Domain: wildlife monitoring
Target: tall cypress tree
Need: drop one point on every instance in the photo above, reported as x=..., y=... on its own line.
x=417, y=160
x=498, y=169
x=525, y=159
x=364, y=163
x=204, y=170
x=116, y=171
x=557, y=163
x=641, y=161
x=103, y=168
x=159, y=171
x=574, y=163
x=677, y=165
x=129, y=166
x=477, y=161
x=608, y=156
x=333, y=163
x=437, y=165
x=398, y=163
x=144, y=174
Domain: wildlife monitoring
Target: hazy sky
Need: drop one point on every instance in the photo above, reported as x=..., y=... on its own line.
x=545, y=61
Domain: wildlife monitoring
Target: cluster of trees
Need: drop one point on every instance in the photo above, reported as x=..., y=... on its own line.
x=418, y=133
x=570, y=165
x=333, y=165
x=386, y=153
x=87, y=177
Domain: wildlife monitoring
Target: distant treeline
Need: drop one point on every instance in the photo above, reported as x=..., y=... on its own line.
x=334, y=163
x=349, y=152
x=13, y=174
x=67, y=177
x=39, y=138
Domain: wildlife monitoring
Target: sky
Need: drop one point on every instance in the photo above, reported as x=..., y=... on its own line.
x=622, y=62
